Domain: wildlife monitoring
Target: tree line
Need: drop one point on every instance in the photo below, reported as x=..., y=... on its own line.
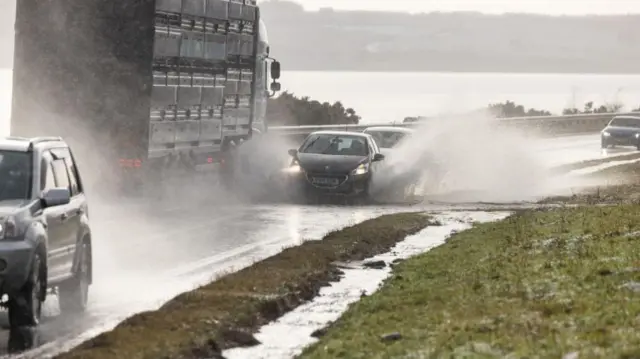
x=291, y=110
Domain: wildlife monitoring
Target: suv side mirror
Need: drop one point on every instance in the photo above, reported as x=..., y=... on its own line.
x=56, y=197
x=378, y=157
x=275, y=70
x=293, y=153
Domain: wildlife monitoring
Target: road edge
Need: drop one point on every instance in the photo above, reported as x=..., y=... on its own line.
x=225, y=313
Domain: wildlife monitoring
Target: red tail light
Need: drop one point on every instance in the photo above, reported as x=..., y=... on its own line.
x=130, y=163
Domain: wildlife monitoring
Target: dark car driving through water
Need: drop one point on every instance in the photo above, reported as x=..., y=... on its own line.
x=621, y=131
x=334, y=163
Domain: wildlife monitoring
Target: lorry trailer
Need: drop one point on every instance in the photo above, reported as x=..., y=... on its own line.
x=146, y=89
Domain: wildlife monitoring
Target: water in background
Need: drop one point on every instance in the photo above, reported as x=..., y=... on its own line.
x=388, y=97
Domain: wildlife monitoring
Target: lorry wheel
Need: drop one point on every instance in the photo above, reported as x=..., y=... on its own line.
x=25, y=309
x=74, y=294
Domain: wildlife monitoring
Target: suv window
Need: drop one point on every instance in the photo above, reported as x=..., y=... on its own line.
x=73, y=180
x=47, y=180
x=64, y=154
x=15, y=175
x=60, y=174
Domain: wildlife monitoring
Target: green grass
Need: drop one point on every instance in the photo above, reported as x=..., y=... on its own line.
x=201, y=323
x=619, y=185
x=540, y=284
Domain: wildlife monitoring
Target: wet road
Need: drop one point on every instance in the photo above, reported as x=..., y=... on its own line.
x=180, y=251
x=142, y=261
x=571, y=149
x=145, y=255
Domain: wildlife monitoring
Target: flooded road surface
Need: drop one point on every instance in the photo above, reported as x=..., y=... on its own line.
x=571, y=149
x=146, y=254
x=143, y=261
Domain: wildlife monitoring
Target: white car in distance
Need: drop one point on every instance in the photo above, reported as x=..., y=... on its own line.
x=389, y=137
x=400, y=179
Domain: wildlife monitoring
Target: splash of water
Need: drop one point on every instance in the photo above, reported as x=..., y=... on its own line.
x=472, y=158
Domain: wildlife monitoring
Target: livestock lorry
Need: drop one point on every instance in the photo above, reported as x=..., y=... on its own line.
x=146, y=89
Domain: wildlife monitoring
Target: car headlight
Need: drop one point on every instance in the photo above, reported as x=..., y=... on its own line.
x=8, y=228
x=295, y=167
x=637, y=135
x=606, y=134
x=362, y=169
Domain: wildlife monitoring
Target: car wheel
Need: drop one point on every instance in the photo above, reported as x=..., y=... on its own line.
x=25, y=309
x=74, y=294
x=603, y=144
x=364, y=198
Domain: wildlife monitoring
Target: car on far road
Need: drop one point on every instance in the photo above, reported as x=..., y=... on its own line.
x=334, y=163
x=621, y=131
x=404, y=168
x=388, y=137
x=45, y=239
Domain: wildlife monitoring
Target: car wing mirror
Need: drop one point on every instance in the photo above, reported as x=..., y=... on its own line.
x=56, y=197
x=293, y=153
x=378, y=157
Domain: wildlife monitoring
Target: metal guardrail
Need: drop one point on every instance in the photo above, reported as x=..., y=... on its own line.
x=547, y=124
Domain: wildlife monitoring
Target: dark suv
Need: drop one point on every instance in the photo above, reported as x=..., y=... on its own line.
x=45, y=240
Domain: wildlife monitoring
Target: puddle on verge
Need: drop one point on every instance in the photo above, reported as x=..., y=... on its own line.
x=289, y=335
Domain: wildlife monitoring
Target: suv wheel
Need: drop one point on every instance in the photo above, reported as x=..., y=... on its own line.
x=25, y=309
x=73, y=295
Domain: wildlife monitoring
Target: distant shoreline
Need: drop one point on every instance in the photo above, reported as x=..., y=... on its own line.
x=285, y=69
x=444, y=72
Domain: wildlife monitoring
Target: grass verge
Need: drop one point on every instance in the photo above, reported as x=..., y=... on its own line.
x=221, y=315
x=540, y=284
x=619, y=185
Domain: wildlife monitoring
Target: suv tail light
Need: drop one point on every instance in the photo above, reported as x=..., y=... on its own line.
x=130, y=163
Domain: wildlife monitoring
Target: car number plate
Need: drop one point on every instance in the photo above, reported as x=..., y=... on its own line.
x=324, y=180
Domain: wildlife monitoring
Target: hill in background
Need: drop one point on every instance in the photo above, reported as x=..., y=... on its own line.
x=329, y=40
x=382, y=41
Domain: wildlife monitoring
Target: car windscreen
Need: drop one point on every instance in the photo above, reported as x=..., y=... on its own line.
x=15, y=175
x=331, y=144
x=625, y=122
x=387, y=139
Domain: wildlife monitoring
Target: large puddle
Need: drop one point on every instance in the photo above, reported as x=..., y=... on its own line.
x=288, y=336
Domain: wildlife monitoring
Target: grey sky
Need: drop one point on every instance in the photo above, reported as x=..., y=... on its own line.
x=552, y=7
